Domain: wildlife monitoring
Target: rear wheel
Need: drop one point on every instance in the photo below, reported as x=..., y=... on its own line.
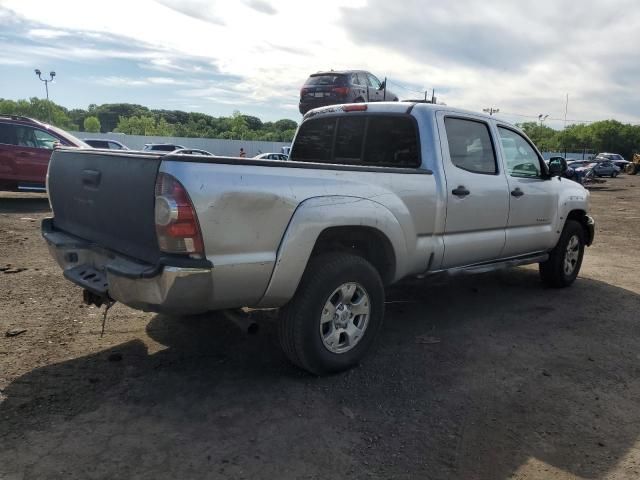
x=565, y=260
x=335, y=315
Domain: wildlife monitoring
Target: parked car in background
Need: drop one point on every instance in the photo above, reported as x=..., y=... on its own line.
x=161, y=147
x=601, y=169
x=193, y=151
x=616, y=158
x=272, y=156
x=25, y=147
x=344, y=86
x=105, y=143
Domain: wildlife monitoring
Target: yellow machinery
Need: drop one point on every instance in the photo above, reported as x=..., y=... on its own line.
x=633, y=167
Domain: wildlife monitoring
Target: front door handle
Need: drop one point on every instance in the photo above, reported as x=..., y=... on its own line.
x=461, y=191
x=517, y=192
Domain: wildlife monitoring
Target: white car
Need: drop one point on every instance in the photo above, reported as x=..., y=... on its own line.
x=272, y=156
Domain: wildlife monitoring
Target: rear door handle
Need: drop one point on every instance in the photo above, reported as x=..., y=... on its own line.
x=461, y=191
x=517, y=192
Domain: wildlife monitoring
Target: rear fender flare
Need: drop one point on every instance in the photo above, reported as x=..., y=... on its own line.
x=310, y=219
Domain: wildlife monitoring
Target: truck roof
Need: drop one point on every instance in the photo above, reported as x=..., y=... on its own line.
x=392, y=107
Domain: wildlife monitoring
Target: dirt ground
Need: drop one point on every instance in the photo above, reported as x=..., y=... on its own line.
x=523, y=382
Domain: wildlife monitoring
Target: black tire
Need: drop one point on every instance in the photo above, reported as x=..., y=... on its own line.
x=553, y=272
x=614, y=174
x=299, y=329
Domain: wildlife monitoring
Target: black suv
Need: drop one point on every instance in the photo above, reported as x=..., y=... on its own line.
x=344, y=86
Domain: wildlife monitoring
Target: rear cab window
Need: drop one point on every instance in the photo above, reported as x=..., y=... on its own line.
x=362, y=139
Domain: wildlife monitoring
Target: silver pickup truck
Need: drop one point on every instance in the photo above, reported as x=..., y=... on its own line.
x=372, y=194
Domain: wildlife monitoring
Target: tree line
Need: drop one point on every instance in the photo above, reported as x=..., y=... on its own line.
x=604, y=136
x=139, y=120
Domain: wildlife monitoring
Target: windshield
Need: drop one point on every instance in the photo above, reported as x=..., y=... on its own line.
x=70, y=138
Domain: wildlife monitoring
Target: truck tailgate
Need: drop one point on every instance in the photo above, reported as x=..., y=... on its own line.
x=107, y=199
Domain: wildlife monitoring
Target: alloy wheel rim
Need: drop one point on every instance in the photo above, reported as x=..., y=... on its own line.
x=572, y=255
x=345, y=317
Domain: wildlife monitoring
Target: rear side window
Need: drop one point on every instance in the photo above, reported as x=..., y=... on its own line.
x=368, y=140
x=314, y=141
x=320, y=80
x=8, y=134
x=470, y=146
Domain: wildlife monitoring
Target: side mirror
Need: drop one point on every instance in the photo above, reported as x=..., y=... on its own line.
x=383, y=85
x=556, y=169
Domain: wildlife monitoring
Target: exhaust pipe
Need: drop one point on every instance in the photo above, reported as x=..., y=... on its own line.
x=243, y=321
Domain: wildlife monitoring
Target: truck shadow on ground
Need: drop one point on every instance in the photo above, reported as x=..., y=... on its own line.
x=472, y=379
x=24, y=204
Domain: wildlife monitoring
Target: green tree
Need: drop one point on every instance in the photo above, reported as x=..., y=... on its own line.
x=91, y=124
x=239, y=126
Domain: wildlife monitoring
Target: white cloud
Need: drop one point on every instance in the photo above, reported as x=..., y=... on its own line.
x=47, y=33
x=117, y=81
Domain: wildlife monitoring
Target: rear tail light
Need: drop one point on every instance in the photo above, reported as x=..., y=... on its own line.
x=177, y=225
x=303, y=91
x=340, y=90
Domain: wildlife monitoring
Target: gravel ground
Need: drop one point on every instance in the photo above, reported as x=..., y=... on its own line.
x=485, y=377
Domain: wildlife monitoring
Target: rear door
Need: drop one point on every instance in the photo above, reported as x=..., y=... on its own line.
x=359, y=86
x=8, y=151
x=28, y=157
x=477, y=192
x=533, y=196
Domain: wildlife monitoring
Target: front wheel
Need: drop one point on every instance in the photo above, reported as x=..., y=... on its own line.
x=335, y=315
x=614, y=174
x=565, y=260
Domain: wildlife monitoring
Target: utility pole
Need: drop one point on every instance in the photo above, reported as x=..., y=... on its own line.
x=491, y=110
x=566, y=108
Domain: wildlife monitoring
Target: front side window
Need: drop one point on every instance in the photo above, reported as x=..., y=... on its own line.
x=115, y=146
x=373, y=81
x=34, y=138
x=520, y=157
x=470, y=146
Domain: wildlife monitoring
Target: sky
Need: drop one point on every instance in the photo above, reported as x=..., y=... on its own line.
x=216, y=56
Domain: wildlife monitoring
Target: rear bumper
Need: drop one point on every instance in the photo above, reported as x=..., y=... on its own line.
x=173, y=285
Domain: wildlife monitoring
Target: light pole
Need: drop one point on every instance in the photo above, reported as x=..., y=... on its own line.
x=491, y=110
x=542, y=118
x=46, y=82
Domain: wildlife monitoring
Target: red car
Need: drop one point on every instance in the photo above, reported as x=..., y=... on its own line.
x=25, y=148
